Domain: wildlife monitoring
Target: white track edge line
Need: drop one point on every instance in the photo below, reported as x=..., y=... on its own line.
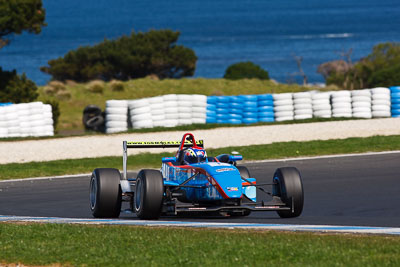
x=254, y=226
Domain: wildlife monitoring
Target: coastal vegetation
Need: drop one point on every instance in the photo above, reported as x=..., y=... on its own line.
x=17, y=17
x=129, y=57
x=245, y=70
x=380, y=68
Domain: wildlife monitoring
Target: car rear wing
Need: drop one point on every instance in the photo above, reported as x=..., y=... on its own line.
x=150, y=144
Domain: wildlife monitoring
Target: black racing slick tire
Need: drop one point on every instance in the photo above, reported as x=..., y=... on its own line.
x=289, y=187
x=105, y=193
x=149, y=194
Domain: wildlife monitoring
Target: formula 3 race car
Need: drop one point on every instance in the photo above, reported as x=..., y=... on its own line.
x=192, y=183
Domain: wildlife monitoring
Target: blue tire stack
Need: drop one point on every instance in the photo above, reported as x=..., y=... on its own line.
x=222, y=109
x=395, y=99
x=211, y=109
x=250, y=108
x=265, y=108
x=235, y=115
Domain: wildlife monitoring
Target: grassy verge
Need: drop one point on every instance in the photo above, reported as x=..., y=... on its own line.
x=45, y=244
x=76, y=97
x=259, y=152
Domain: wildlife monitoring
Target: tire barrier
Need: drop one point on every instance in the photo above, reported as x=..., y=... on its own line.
x=178, y=109
x=265, y=108
x=162, y=111
x=26, y=119
x=283, y=107
x=341, y=104
x=93, y=118
x=381, y=102
x=303, y=108
x=116, y=116
x=321, y=105
x=361, y=104
x=242, y=109
x=395, y=101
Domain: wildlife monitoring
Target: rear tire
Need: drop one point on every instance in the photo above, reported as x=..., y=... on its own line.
x=105, y=193
x=149, y=194
x=289, y=187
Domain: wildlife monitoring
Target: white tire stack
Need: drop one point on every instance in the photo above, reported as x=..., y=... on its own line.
x=24, y=119
x=36, y=119
x=341, y=104
x=140, y=113
x=48, y=120
x=171, y=110
x=321, y=105
x=157, y=111
x=361, y=104
x=283, y=107
x=116, y=116
x=11, y=121
x=199, y=109
x=381, y=102
x=302, y=106
x=3, y=122
x=184, y=109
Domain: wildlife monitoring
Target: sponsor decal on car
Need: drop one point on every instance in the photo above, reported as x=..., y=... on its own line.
x=230, y=188
x=225, y=170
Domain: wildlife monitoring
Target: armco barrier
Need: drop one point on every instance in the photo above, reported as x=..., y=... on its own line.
x=26, y=119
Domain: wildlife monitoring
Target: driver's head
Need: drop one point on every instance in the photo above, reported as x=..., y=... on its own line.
x=194, y=155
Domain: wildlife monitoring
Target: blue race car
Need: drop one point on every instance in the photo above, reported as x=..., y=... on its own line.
x=192, y=183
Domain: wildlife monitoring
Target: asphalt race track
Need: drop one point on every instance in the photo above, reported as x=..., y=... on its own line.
x=350, y=190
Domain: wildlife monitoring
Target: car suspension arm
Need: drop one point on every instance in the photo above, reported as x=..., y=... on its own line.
x=185, y=182
x=258, y=187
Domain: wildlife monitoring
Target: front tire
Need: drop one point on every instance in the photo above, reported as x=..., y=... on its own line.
x=289, y=187
x=105, y=193
x=149, y=194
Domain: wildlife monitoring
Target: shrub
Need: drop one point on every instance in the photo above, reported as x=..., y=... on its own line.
x=128, y=57
x=16, y=88
x=117, y=86
x=54, y=88
x=380, y=68
x=96, y=87
x=63, y=95
x=243, y=70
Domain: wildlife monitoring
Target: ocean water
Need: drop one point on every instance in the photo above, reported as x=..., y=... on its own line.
x=267, y=32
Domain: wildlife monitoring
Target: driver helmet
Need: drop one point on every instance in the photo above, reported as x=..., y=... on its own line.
x=194, y=155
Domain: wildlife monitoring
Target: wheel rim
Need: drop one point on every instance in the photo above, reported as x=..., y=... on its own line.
x=138, y=195
x=93, y=193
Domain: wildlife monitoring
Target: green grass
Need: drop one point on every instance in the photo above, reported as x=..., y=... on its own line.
x=45, y=244
x=71, y=109
x=258, y=152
